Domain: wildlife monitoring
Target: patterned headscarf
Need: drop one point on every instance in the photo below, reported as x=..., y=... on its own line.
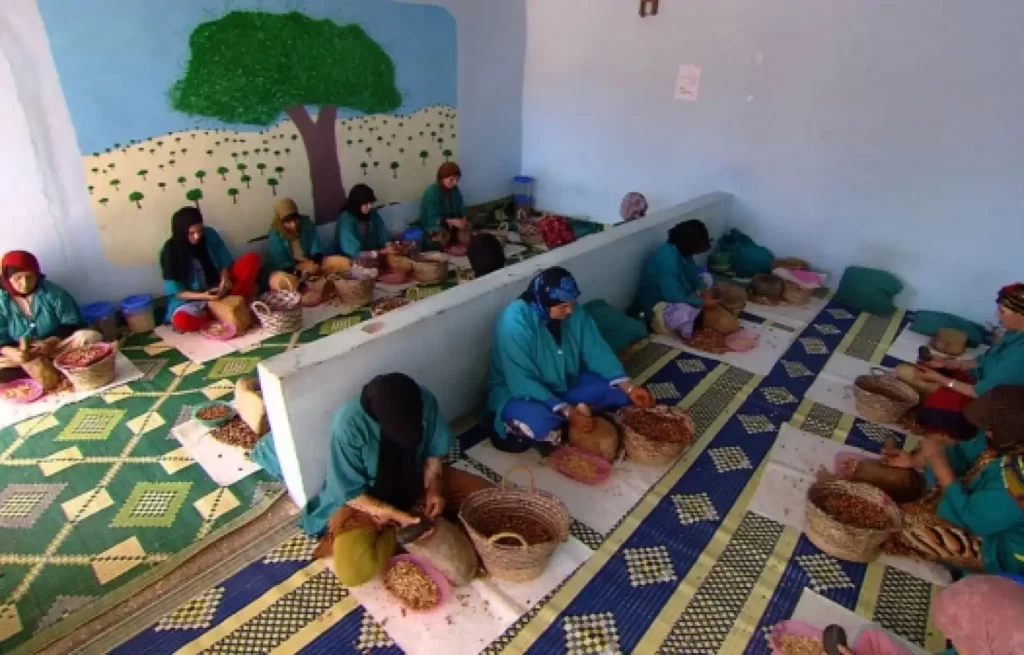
x=981, y=615
x=286, y=208
x=550, y=288
x=1000, y=412
x=1012, y=297
x=633, y=206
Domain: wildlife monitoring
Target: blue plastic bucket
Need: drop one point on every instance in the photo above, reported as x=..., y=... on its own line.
x=101, y=316
x=138, y=313
x=413, y=234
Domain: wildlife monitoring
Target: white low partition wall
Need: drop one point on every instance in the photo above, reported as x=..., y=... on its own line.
x=444, y=342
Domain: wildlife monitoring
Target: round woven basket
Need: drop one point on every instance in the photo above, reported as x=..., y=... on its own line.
x=883, y=398
x=94, y=376
x=354, y=290
x=430, y=268
x=729, y=296
x=653, y=449
x=767, y=285
x=795, y=294
x=465, y=276
x=399, y=263
x=844, y=541
x=319, y=283
x=529, y=232
x=496, y=515
x=279, y=312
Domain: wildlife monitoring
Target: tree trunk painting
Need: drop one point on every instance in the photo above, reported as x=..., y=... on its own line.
x=318, y=136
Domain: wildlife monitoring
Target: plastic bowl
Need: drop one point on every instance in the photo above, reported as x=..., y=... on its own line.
x=794, y=629
x=218, y=331
x=443, y=588
x=213, y=423
x=604, y=469
x=742, y=341
x=456, y=251
x=36, y=391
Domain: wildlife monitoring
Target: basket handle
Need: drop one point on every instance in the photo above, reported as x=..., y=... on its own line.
x=519, y=467
x=288, y=280
x=260, y=308
x=510, y=535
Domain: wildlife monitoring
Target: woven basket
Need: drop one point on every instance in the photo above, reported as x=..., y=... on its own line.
x=399, y=263
x=320, y=284
x=767, y=285
x=94, y=376
x=39, y=367
x=729, y=296
x=354, y=290
x=279, y=312
x=844, y=541
x=465, y=276
x=791, y=263
x=644, y=448
x=883, y=398
x=430, y=268
x=529, y=232
x=795, y=294
x=494, y=515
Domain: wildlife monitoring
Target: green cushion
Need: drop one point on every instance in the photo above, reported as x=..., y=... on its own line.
x=869, y=290
x=928, y=323
x=747, y=256
x=617, y=329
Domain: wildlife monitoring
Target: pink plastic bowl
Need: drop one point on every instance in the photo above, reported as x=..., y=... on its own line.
x=443, y=588
x=742, y=341
x=37, y=391
x=604, y=469
x=794, y=629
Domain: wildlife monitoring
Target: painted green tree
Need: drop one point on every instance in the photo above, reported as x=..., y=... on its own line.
x=91, y=187
x=249, y=66
x=103, y=201
x=261, y=167
x=447, y=155
x=233, y=192
x=143, y=173
x=136, y=197
x=247, y=180
x=182, y=180
x=195, y=195
x=364, y=166
x=200, y=175
x=115, y=183
x=280, y=171
x=273, y=185
x=223, y=172
x=162, y=185
x=394, y=169
x=423, y=156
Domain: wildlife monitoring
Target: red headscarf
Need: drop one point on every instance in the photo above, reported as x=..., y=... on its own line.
x=17, y=261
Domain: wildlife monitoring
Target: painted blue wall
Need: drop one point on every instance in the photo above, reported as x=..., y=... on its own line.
x=867, y=131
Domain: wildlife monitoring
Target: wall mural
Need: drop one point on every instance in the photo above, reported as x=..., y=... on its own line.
x=228, y=105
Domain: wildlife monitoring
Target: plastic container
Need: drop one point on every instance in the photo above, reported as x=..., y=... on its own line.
x=444, y=589
x=215, y=422
x=414, y=234
x=522, y=191
x=138, y=313
x=102, y=316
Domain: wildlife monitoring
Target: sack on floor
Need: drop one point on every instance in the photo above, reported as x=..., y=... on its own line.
x=748, y=258
x=449, y=550
x=721, y=320
x=602, y=441
x=902, y=485
x=617, y=329
x=869, y=290
x=928, y=323
x=949, y=341
x=232, y=310
x=249, y=405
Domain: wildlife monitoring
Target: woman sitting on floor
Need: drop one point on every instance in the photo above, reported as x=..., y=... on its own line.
x=671, y=277
x=442, y=209
x=486, y=254
x=198, y=269
x=976, y=489
x=31, y=306
x=294, y=248
x=964, y=380
x=360, y=229
x=981, y=615
x=548, y=361
x=385, y=461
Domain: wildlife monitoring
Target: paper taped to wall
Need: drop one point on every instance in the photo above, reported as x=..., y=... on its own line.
x=688, y=82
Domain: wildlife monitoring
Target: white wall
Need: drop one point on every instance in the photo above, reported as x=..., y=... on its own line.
x=875, y=132
x=47, y=209
x=444, y=342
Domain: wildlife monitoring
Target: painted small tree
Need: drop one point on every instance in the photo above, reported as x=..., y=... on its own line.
x=95, y=170
x=136, y=197
x=115, y=183
x=242, y=167
x=162, y=185
x=223, y=172
x=261, y=167
x=233, y=192
x=326, y=64
x=209, y=153
x=423, y=156
x=143, y=173
x=245, y=153
x=247, y=180
x=234, y=155
x=171, y=162
x=280, y=171
x=364, y=166
x=273, y=185
x=103, y=201
x=91, y=187
x=182, y=180
x=200, y=175
x=195, y=195
x=394, y=169
x=447, y=155
x=111, y=165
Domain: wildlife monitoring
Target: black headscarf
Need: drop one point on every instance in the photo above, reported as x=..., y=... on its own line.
x=178, y=252
x=690, y=238
x=550, y=288
x=358, y=196
x=485, y=253
x=395, y=402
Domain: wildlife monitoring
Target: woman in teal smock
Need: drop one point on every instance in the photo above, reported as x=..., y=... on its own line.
x=360, y=227
x=385, y=464
x=977, y=485
x=671, y=276
x=442, y=209
x=294, y=249
x=548, y=359
x=32, y=307
x=962, y=380
x=198, y=269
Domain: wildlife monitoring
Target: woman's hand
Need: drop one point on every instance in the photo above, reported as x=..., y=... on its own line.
x=939, y=363
x=308, y=267
x=898, y=459
x=404, y=519
x=458, y=223
x=433, y=503
x=46, y=347
x=14, y=354
x=641, y=397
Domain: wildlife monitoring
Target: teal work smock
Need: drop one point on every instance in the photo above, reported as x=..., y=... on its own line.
x=222, y=260
x=279, y=251
x=527, y=363
x=668, y=277
x=350, y=240
x=1003, y=363
x=53, y=308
